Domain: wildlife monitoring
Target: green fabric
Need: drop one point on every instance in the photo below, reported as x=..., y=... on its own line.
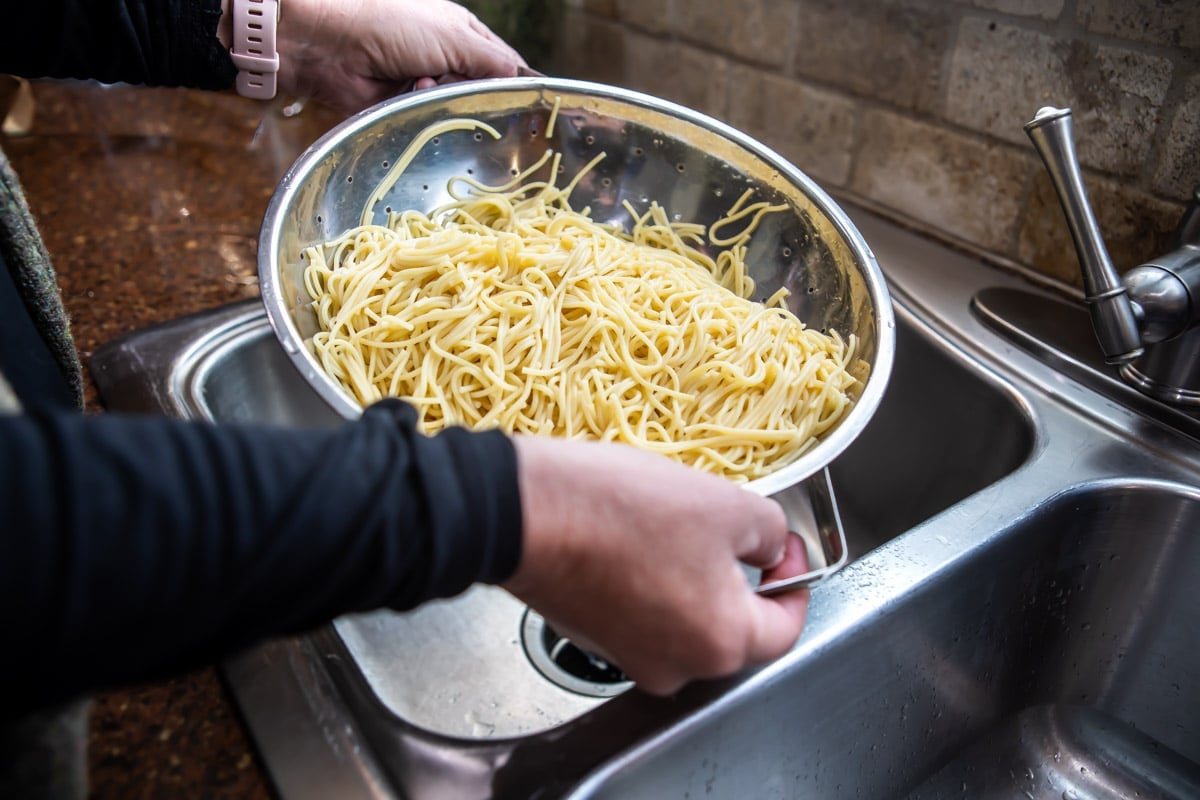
x=29, y=263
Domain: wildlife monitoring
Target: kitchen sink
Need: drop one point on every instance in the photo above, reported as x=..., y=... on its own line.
x=1058, y=658
x=1012, y=618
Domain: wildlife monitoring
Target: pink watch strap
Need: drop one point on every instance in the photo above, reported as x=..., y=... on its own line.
x=253, y=50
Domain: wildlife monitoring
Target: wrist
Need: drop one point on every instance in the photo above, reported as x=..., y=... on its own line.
x=546, y=524
x=312, y=36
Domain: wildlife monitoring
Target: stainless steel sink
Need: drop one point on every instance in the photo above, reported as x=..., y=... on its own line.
x=1059, y=657
x=1022, y=550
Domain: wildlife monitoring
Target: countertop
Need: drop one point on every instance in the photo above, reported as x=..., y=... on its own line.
x=150, y=202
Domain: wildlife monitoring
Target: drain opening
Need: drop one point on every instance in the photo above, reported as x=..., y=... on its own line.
x=566, y=664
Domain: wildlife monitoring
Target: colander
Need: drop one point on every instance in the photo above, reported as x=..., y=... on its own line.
x=693, y=165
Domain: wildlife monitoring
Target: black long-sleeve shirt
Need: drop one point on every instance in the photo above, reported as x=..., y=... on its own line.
x=134, y=546
x=156, y=42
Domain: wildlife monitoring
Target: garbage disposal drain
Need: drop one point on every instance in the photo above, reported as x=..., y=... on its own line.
x=566, y=664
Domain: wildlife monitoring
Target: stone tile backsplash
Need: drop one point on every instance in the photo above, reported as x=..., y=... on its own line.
x=916, y=107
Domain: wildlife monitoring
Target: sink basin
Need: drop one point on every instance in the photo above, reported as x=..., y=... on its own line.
x=945, y=430
x=1015, y=617
x=1058, y=659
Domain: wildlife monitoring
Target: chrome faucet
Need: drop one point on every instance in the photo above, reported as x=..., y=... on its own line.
x=1147, y=322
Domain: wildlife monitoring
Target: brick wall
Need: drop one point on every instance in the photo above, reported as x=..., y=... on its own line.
x=916, y=107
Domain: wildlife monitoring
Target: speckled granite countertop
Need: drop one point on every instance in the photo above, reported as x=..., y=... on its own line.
x=150, y=202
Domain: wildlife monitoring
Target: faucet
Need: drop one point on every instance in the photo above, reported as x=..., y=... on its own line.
x=1147, y=322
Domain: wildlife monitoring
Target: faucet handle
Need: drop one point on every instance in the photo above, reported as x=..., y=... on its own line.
x=1113, y=314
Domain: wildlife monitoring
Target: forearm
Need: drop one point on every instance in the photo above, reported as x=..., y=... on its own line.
x=156, y=42
x=134, y=546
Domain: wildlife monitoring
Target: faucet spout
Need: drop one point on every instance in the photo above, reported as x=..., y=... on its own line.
x=1149, y=321
x=1113, y=315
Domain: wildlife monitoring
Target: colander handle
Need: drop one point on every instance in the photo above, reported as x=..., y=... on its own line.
x=825, y=540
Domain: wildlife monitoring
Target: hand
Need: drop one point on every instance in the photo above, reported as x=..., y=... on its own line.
x=636, y=558
x=351, y=54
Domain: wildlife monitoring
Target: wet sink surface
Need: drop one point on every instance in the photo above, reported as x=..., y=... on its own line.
x=1038, y=666
x=1022, y=551
x=1093, y=634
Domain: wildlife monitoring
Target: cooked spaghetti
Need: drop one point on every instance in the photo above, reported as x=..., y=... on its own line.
x=509, y=309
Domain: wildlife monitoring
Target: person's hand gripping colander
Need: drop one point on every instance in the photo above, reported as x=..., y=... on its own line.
x=637, y=558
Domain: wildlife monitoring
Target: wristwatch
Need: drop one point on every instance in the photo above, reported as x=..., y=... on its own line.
x=253, y=51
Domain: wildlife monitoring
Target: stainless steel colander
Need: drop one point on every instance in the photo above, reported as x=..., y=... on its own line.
x=692, y=165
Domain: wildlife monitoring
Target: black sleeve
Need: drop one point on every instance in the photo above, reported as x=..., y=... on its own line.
x=133, y=546
x=155, y=42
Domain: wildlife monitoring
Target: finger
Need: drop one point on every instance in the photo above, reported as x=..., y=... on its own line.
x=778, y=620
x=486, y=57
x=762, y=543
x=424, y=83
x=661, y=685
x=793, y=560
x=483, y=30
